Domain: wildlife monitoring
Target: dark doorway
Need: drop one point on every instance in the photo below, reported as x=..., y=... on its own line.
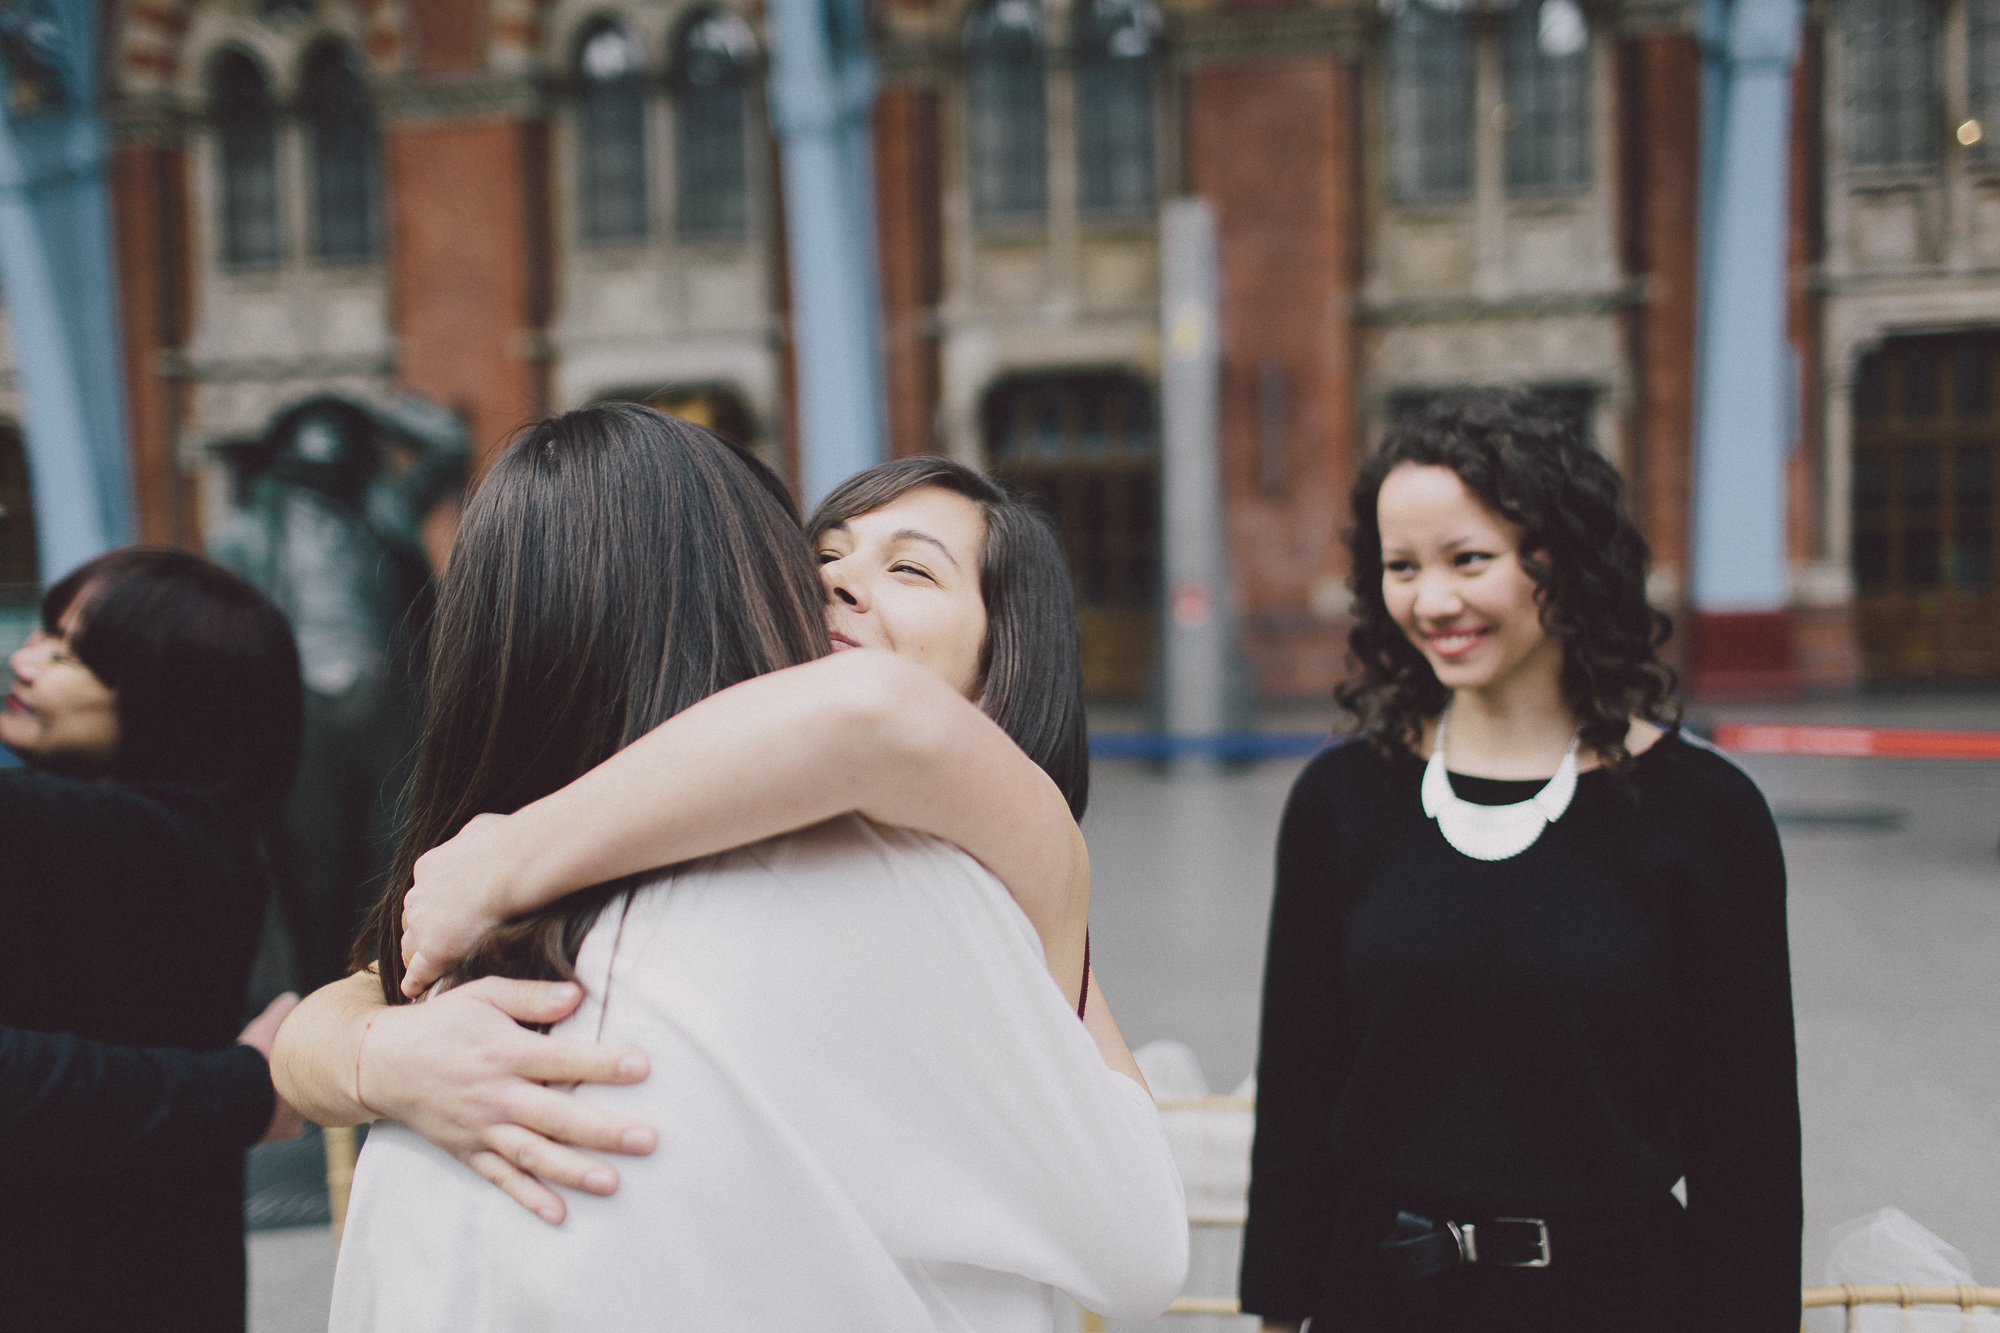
x=715, y=407
x=1926, y=432
x=1084, y=446
x=20, y=566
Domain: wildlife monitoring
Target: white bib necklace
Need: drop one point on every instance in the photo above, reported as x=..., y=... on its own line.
x=1495, y=832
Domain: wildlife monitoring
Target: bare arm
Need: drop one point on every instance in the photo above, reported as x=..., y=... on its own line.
x=460, y=1070
x=859, y=732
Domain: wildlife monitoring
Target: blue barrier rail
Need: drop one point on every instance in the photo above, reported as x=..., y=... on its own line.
x=1225, y=745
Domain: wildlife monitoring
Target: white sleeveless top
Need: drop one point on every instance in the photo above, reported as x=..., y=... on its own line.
x=876, y=1112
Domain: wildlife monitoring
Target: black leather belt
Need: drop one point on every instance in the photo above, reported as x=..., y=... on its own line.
x=1419, y=1247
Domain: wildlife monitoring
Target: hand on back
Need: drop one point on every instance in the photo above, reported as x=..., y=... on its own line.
x=460, y=1070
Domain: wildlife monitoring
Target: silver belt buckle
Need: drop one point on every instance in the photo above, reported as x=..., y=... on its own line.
x=1541, y=1260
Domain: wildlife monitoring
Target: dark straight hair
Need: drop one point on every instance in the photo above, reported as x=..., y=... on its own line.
x=204, y=667
x=1031, y=670
x=614, y=567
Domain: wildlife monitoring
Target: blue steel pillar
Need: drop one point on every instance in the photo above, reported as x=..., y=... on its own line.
x=56, y=270
x=1744, y=383
x=822, y=92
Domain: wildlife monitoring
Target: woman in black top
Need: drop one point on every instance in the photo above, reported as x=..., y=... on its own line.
x=1505, y=1011
x=157, y=709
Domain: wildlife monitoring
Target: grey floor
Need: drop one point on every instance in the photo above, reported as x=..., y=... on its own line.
x=1895, y=909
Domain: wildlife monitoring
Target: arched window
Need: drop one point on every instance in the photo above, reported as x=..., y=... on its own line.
x=1888, y=68
x=711, y=82
x=1430, y=103
x=247, y=153
x=1006, y=113
x=1545, y=70
x=611, y=135
x=340, y=123
x=1114, y=104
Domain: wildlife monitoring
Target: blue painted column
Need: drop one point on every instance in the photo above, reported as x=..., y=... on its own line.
x=56, y=278
x=1744, y=382
x=822, y=91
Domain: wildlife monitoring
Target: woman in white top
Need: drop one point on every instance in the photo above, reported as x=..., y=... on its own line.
x=875, y=1100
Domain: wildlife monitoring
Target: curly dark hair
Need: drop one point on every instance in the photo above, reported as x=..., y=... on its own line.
x=1526, y=463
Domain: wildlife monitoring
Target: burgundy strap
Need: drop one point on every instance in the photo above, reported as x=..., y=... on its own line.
x=1083, y=996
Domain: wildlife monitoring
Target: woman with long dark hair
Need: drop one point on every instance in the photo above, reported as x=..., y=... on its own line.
x=883, y=1109
x=1528, y=963
x=923, y=557
x=157, y=710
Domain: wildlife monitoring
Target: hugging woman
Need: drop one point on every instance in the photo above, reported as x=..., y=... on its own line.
x=880, y=1109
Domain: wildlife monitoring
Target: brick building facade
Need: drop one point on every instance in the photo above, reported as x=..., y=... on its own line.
x=517, y=206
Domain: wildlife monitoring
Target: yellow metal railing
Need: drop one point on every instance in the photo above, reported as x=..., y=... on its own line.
x=1901, y=1294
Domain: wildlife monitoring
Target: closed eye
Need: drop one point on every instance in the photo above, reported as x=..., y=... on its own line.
x=911, y=569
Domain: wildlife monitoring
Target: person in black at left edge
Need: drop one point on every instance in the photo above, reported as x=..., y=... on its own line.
x=1528, y=963
x=71, y=1108
x=157, y=710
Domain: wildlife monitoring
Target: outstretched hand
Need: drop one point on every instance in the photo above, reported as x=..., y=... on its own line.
x=286, y=1123
x=450, y=902
x=461, y=1071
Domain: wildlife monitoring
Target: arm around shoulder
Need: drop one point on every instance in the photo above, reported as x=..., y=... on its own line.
x=859, y=732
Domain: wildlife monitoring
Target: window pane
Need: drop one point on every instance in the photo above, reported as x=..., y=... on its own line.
x=1922, y=523
x=1430, y=104
x=1006, y=112
x=711, y=107
x=611, y=137
x=1982, y=34
x=1890, y=93
x=1546, y=72
x=1921, y=364
x=1972, y=378
x=1871, y=387
x=341, y=123
x=1871, y=520
x=1972, y=516
x=1114, y=105
x=247, y=150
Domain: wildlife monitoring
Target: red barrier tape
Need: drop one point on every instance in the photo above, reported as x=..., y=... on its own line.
x=1856, y=742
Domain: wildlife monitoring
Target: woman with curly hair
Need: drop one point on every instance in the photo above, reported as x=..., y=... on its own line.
x=1528, y=964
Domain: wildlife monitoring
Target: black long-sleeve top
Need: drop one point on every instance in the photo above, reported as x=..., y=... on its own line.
x=129, y=913
x=73, y=1109
x=1562, y=1035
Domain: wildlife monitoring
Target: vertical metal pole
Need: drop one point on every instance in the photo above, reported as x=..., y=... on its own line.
x=1744, y=384
x=822, y=92
x=56, y=268
x=1196, y=673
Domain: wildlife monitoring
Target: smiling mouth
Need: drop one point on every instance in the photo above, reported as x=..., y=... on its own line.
x=1455, y=643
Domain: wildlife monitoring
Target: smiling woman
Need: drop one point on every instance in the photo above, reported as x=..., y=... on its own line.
x=1030, y=668
x=1525, y=975
x=59, y=713
x=157, y=709
x=905, y=577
